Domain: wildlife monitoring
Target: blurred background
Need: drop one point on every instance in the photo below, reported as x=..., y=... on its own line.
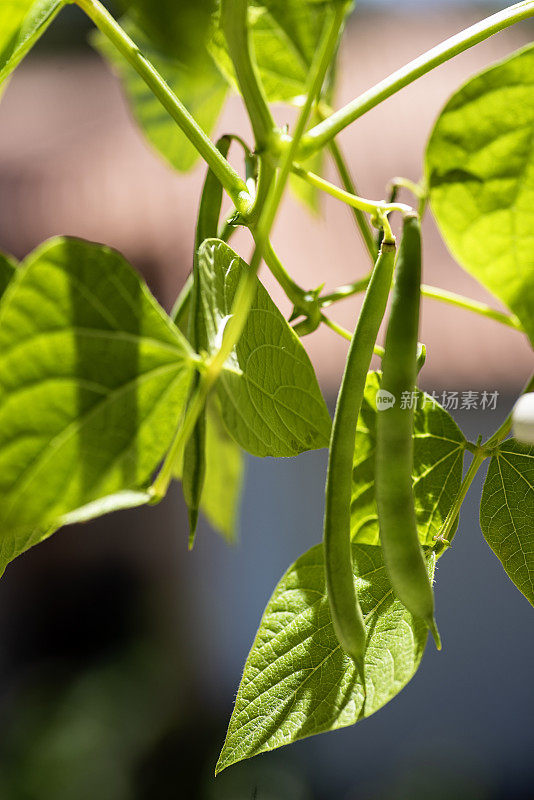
x=120, y=652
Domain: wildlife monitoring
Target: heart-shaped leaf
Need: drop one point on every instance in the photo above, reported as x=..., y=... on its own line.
x=298, y=681
x=270, y=399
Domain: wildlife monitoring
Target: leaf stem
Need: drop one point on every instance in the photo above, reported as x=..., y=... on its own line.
x=502, y=432
x=349, y=186
x=471, y=305
x=443, y=295
x=480, y=453
x=236, y=32
x=369, y=206
x=346, y=334
x=324, y=131
x=475, y=465
x=231, y=181
x=245, y=291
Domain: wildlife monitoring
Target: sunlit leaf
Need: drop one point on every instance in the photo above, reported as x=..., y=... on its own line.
x=298, y=681
x=270, y=399
x=22, y=22
x=507, y=512
x=93, y=380
x=480, y=170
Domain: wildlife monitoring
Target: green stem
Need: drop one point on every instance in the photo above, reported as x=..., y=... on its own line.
x=324, y=131
x=181, y=437
x=349, y=185
x=369, y=206
x=480, y=453
x=231, y=181
x=443, y=295
x=346, y=334
x=502, y=432
x=235, y=28
x=471, y=305
x=293, y=291
x=450, y=520
x=245, y=291
x=247, y=286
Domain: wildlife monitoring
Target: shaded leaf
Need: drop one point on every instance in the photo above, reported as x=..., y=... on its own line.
x=200, y=87
x=480, y=171
x=22, y=22
x=93, y=379
x=438, y=462
x=507, y=512
x=270, y=399
x=298, y=681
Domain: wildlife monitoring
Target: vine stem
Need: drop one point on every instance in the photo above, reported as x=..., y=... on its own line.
x=247, y=286
x=349, y=185
x=235, y=28
x=478, y=458
x=109, y=26
x=443, y=295
x=481, y=452
x=346, y=334
x=502, y=432
x=324, y=131
x=368, y=206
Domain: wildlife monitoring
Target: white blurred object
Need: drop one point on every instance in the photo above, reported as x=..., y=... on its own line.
x=523, y=419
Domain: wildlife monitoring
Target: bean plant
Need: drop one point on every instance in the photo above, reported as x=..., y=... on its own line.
x=105, y=399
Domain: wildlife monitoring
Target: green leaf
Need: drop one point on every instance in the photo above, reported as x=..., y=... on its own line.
x=480, y=171
x=507, y=511
x=199, y=86
x=223, y=482
x=437, y=474
x=7, y=271
x=285, y=36
x=22, y=22
x=93, y=380
x=270, y=399
x=298, y=681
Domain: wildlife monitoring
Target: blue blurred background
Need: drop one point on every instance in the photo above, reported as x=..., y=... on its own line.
x=120, y=651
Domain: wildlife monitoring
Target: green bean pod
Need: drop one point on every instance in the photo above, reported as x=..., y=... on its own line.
x=403, y=555
x=346, y=612
x=194, y=460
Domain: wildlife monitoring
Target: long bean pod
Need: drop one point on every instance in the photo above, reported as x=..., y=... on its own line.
x=194, y=460
x=345, y=609
x=403, y=555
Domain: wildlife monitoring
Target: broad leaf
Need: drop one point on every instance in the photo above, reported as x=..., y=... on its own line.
x=93, y=380
x=507, y=512
x=22, y=22
x=199, y=86
x=270, y=399
x=298, y=681
x=7, y=271
x=480, y=170
x=439, y=447
x=223, y=481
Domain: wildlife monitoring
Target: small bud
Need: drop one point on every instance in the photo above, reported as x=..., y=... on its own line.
x=523, y=419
